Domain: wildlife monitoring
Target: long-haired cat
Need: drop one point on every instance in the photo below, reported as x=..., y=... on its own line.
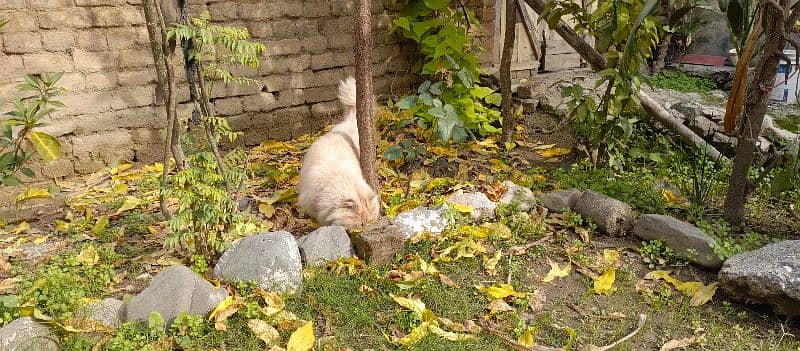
x=332, y=188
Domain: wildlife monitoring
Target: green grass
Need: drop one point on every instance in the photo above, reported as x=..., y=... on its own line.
x=681, y=81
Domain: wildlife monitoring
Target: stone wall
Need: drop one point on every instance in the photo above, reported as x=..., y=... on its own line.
x=110, y=114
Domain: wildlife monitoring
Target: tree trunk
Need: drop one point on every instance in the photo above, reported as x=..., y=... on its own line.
x=154, y=34
x=758, y=93
x=653, y=108
x=190, y=65
x=365, y=115
x=507, y=106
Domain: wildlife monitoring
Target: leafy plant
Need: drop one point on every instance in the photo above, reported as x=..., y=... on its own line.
x=405, y=151
x=207, y=215
x=656, y=253
x=454, y=104
x=20, y=129
x=608, y=121
x=699, y=176
x=740, y=17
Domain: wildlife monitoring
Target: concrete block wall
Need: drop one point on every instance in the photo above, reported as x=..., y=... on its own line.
x=102, y=47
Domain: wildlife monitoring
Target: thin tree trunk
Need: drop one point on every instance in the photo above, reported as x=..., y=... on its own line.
x=660, y=62
x=205, y=105
x=364, y=104
x=507, y=106
x=739, y=188
x=173, y=140
x=154, y=34
x=189, y=64
x=653, y=108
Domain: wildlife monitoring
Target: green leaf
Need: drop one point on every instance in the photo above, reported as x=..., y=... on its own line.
x=46, y=145
x=494, y=99
x=480, y=92
x=437, y=5
x=426, y=98
x=407, y=102
x=436, y=89
x=393, y=153
x=11, y=181
x=465, y=77
x=423, y=88
x=782, y=181
x=27, y=172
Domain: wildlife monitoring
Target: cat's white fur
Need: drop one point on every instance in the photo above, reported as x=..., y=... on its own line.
x=332, y=188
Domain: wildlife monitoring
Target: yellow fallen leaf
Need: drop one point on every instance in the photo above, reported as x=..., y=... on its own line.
x=498, y=305
x=129, y=204
x=688, y=288
x=610, y=256
x=413, y=304
x=703, y=295
x=416, y=335
x=40, y=240
x=447, y=334
x=553, y=152
x=88, y=256
x=462, y=208
x=671, y=197
x=500, y=291
x=264, y=331
x=224, y=304
x=679, y=343
x=441, y=151
x=527, y=338
x=447, y=281
x=302, y=339
x=501, y=230
x=33, y=193
x=604, y=284
x=490, y=264
x=556, y=271
x=266, y=209
x=22, y=227
x=544, y=147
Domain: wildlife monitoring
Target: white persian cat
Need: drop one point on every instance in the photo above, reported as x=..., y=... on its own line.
x=332, y=188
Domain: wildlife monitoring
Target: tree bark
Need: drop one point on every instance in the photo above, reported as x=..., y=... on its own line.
x=190, y=65
x=507, y=106
x=774, y=26
x=364, y=104
x=653, y=108
x=154, y=34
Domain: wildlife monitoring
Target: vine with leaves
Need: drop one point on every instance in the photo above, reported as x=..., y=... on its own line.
x=451, y=100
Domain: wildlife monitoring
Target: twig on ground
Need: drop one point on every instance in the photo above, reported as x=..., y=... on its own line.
x=513, y=344
x=642, y=319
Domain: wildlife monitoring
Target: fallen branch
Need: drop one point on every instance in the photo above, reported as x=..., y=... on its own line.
x=598, y=62
x=642, y=319
x=513, y=344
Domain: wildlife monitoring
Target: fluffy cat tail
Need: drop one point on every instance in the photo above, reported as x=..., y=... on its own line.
x=347, y=93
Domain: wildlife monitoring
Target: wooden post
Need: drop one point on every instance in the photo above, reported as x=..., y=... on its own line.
x=365, y=115
x=507, y=106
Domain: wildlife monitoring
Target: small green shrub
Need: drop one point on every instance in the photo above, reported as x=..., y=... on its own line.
x=656, y=253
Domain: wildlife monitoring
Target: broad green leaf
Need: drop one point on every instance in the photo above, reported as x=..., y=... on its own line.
x=302, y=339
x=407, y=102
x=48, y=148
x=436, y=5
x=33, y=193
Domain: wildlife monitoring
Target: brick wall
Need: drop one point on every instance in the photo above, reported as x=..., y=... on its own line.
x=102, y=46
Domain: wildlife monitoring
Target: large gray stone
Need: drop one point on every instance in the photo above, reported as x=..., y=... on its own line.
x=379, y=242
x=560, y=200
x=482, y=207
x=108, y=312
x=612, y=216
x=521, y=196
x=421, y=219
x=272, y=260
x=324, y=245
x=684, y=238
x=175, y=290
x=769, y=275
x=25, y=334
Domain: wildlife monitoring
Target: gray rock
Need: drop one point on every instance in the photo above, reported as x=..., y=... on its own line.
x=612, y=216
x=25, y=334
x=516, y=194
x=175, y=290
x=775, y=133
x=379, y=242
x=685, y=239
x=482, y=207
x=272, y=260
x=325, y=244
x=108, y=312
x=560, y=200
x=421, y=219
x=687, y=110
x=525, y=91
x=768, y=275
